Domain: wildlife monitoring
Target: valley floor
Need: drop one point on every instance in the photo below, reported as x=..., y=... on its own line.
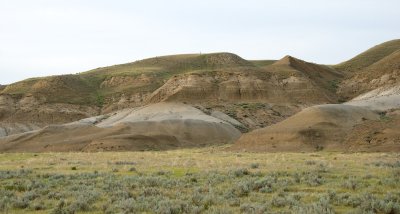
x=207, y=180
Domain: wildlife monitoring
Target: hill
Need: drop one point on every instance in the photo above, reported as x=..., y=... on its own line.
x=221, y=81
x=367, y=123
x=385, y=72
x=154, y=127
x=321, y=76
x=288, y=80
x=102, y=83
x=262, y=97
x=369, y=57
x=324, y=127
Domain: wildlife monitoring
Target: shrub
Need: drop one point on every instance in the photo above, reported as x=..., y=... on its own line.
x=253, y=208
x=370, y=204
x=321, y=207
x=81, y=204
x=242, y=188
x=278, y=201
x=125, y=163
x=5, y=204
x=212, y=199
x=311, y=162
x=31, y=195
x=127, y=206
x=171, y=207
x=162, y=172
x=60, y=208
x=254, y=165
x=350, y=183
x=240, y=172
x=38, y=206
x=264, y=184
x=314, y=179
x=20, y=203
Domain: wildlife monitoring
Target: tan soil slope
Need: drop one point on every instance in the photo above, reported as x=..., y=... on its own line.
x=320, y=78
x=288, y=81
x=318, y=127
x=153, y=127
x=376, y=135
x=16, y=128
x=30, y=110
x=383, y=134
x=385, y=72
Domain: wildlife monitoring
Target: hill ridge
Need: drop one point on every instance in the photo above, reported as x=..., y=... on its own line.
x=369, y=57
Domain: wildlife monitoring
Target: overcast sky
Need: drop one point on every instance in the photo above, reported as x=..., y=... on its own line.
x=48, y=37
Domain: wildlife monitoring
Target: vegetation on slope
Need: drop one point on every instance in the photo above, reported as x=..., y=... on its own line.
x=262, y=63
x=322, y=76
x=369, y=57
x=85, y=88
x=385, y=72
x=2, y=87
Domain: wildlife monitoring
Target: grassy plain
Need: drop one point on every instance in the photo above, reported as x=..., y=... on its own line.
x=208, y=180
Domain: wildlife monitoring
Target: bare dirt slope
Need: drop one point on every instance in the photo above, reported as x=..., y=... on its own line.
x=219, y=81
x=153, y=127
x=381, y=99
x=327, y=127
x=307, y=75
x=289, y=81
x=385, y=72
x=370, y=122
x=376, y=135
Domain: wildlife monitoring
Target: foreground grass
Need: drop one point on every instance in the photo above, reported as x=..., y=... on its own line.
x=199, y=181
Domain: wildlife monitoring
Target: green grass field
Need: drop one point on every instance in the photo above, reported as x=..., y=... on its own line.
x=206, y=180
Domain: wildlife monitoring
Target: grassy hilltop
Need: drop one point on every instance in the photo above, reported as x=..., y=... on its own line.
x=86, y=88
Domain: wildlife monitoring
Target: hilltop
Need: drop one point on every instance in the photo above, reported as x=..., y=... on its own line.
x=369, y=57
x=102, y=83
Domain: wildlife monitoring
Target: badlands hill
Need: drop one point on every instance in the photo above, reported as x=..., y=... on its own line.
x=258, y=93
x=205, y=99
x=154, y=127
x=385, y=72
x=368, y=122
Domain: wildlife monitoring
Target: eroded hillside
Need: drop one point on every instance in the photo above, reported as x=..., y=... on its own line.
x=207, y=80
x=285, y=105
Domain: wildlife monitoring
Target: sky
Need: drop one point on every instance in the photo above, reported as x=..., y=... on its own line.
x=51, y=37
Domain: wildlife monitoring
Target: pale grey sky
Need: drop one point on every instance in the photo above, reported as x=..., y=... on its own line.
x=49, y=37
